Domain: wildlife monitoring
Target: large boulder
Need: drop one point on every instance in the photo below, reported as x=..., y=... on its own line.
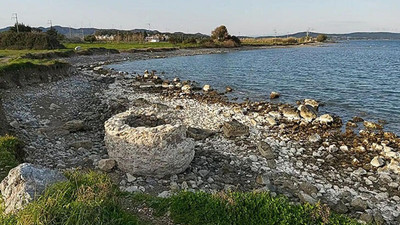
x=149, y=143
x=26, y=183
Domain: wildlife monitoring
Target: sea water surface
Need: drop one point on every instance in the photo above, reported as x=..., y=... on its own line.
x=351, y=78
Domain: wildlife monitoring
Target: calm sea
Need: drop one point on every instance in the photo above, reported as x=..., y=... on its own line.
x=352, y=78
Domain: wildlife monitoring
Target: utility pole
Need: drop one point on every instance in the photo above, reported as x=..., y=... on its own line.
x=15, y=16
x=50, y=23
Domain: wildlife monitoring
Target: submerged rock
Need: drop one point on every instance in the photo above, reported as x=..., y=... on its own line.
x=26, y=183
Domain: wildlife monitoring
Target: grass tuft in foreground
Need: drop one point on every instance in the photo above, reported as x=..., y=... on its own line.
x=91, y=198
x=85, y=199
x=248, y=208
x=10, y=154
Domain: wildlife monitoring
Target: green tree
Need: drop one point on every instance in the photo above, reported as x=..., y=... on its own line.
x=90, y=38
x=21, y=28
x=220, y=33
x=321, y=37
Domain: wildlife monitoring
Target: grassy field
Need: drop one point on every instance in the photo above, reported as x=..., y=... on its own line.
x=91, y=198
x=275, y=41
x=123, y=46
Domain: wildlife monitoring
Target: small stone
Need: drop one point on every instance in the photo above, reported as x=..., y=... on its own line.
x=86, y=144
x=377, y=161
x=366, y=217
x=106, y=164
x=54, y=106
x=14, y=124
x=74, y=125
x=314, y=138
x=358, y=204
x=235, y=129
x=265, y=150
x=165, y=194
x=130, y=178
x=204, y=173
x=253, y=158
x=184, y=185
x=344, y=148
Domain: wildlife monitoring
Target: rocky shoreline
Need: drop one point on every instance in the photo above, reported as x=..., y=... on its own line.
x=249, y=146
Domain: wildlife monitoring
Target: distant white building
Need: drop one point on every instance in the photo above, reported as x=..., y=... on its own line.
x=105, y=37
x=157, y=38
x=153, y=39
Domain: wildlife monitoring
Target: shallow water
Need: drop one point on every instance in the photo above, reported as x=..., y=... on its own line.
x=354, y=78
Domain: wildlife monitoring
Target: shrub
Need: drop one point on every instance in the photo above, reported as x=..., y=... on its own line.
x=321, y=37
x=85, y=199
x=26, y=40
x=11, y=154
x=90, y=38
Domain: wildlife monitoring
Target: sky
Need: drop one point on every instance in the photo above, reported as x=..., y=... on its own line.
x=244, y=17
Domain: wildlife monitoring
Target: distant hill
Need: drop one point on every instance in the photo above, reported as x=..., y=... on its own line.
x=349, y=36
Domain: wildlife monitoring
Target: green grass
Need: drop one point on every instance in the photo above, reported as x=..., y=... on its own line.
x=10, y=154
x=124, y=46
x=85, y=199
x=91, y=198
x=19, y=63
x=241, y=208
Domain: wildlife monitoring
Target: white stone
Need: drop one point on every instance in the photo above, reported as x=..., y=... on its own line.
x=377, y=161
x=26, y=183
x=150, y=150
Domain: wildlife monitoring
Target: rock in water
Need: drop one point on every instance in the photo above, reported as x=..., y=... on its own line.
x=26, y=183
x=235, y=129
x=307, y=112
x=274, y=95
x=312, y=103
x=325, y=119
x=372, y=125
x=228, y=89
x=207, y=88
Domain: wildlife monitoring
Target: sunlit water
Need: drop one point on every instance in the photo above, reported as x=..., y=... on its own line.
x=356, y=78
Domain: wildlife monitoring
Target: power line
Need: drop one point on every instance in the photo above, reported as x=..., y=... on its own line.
x=15, y=16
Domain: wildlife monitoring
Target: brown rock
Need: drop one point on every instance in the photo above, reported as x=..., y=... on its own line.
x=274, y=95
x=235, y=129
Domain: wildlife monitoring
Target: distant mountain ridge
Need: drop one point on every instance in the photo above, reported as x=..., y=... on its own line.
x=349, y=36
x=67, y=31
